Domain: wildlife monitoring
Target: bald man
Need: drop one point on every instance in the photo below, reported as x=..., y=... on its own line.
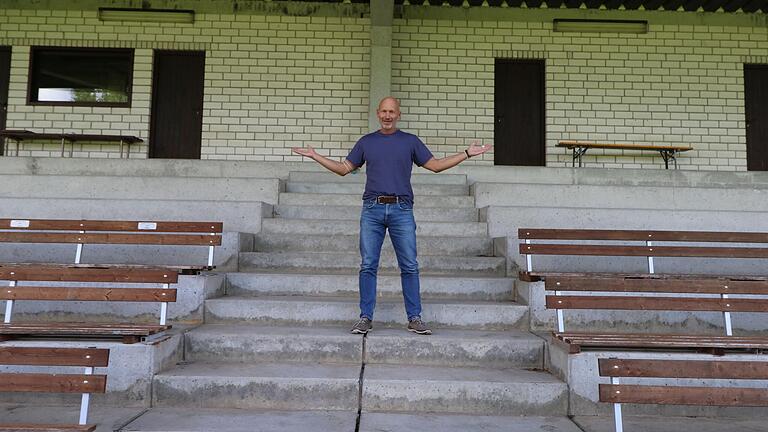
x=388, y=206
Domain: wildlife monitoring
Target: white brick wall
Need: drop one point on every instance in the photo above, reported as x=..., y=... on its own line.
x=676, y=85
x=271, y=82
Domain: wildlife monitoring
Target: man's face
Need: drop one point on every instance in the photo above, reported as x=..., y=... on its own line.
x=388, y=114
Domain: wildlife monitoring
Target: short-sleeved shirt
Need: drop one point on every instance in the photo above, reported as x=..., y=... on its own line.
x=390, y=161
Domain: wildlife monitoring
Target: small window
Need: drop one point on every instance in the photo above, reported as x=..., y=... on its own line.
x=80, y=76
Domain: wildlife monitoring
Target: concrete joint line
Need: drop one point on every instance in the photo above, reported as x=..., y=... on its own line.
x=360, y=385
x=131, y=420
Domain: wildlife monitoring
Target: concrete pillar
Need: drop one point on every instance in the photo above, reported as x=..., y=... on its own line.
x=381, y=56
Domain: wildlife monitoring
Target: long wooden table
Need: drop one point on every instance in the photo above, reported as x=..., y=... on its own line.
x=579, y=148
x=21, y=135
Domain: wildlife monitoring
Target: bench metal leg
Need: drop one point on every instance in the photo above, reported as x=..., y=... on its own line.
x=560, y=317
x=9, y=306
x=727, y=318
x=618, y=420
x=650, y=259
x=578, y=152
x=668, y=155
x=85, y=400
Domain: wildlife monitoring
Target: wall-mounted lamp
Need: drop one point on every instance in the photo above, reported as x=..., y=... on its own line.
x=150, y=15
x=599, y=26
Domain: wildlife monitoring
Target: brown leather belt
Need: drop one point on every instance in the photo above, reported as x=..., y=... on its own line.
x=391, y=199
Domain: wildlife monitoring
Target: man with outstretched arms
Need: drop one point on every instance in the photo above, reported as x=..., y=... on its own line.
x=388, y=205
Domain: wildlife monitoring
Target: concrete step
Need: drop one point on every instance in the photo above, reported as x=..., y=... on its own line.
x=421, y=214
x=454, y=287
x=325, y=199
x=330, y=262
x=667, y=423
x=285, y=386
x=357, y=188
x=252, y=343
x=343, y=312
x=426, y=245
x=234, y=420
x=328, y=227
x=393, y=422
x=416, y=178
x=462, y=390
x=456, y=348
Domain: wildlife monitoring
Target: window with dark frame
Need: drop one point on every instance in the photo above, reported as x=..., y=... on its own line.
x=80, y=76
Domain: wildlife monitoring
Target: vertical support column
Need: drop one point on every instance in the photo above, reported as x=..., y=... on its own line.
x=85, y=400
x=79, y=252
x=381, y=57
x=164, y=308
x=528, y=259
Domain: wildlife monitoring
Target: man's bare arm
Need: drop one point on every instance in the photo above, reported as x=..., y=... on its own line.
x=437, y=165
x=341, y=168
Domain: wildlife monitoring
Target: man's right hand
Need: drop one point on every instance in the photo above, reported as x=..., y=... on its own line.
x=306, y=152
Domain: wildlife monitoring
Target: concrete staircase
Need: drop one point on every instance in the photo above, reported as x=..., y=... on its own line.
x=279, y=339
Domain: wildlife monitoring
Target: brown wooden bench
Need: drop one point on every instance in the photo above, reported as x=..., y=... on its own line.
x=725, y=395
x=135, y=277
x=579, y=148
x=85, y=383
x=19, y=136
x=644, y=291
x=115, y=232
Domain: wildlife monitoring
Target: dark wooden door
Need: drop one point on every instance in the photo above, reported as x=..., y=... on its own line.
x=5, y=75
x=518, y=134
x=177, y=104
x=756, y=115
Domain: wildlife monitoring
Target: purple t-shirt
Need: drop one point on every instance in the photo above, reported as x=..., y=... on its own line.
x=390, y=160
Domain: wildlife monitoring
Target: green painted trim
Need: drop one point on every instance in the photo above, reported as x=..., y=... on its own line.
x=547, y=15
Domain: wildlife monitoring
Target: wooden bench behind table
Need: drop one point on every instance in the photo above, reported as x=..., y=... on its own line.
x=24, y=135
x=115, y=232
x=618, y=393
x=579, y=148
x=40, y=382
x=701, y=289
x=136, y=279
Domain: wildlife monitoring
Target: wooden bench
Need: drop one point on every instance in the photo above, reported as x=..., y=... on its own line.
x=85, y=383
x=579, y=148
x=115, y=232
x=19, y=136
x=618, y=393
x=131, y=276
x=641, y=291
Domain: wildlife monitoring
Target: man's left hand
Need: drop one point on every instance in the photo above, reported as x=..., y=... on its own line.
x=478, y=149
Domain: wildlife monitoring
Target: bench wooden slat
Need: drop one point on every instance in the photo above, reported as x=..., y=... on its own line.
x=643, y=251
x=536, y=276
x=63, y=273
x=43, y=356
x=570, y=144
x=111, y=238
x=81, y=329
x=657, y=303
x=667, y=285
x=112, y=225
x=575, y=341
x=719, y=396
x=46, y=428
x=642, y=235
x=88, y=294
x=48, y=383
x=613, y=367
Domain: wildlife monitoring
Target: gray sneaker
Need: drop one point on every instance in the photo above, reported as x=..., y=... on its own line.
x=417, y=326
x=363, y=326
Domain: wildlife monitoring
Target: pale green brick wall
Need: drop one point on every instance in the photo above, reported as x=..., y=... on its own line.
x=676, y=85
x=271, y=82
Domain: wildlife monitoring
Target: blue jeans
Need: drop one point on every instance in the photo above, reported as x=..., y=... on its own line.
x=375, y=220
